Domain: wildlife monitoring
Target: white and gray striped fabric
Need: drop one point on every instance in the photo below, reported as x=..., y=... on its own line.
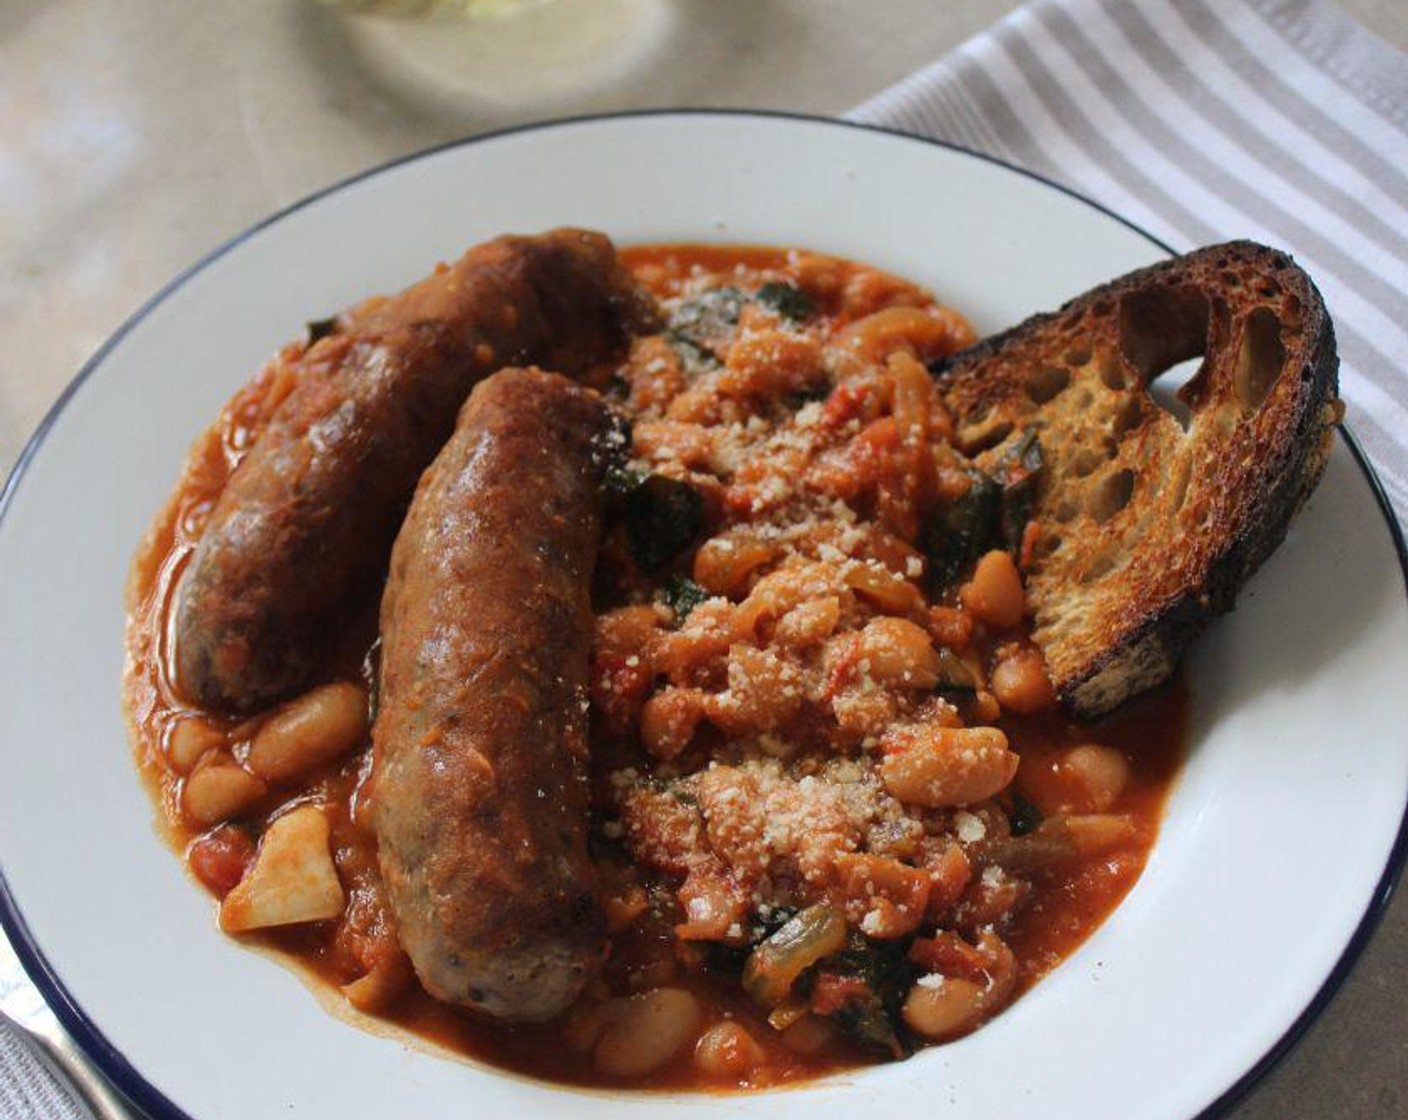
x=27, y=1090
x=1204, y=120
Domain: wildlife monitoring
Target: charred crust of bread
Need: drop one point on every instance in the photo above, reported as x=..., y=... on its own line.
x=1148, y=524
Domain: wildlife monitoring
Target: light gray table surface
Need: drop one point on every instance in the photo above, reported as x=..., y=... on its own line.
x=137, y=135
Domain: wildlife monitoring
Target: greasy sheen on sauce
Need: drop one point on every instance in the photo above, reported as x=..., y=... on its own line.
x=738, y=441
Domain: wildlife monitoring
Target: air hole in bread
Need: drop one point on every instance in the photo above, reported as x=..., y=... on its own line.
x=1086, y=461
x=1078, y=354
x=1260, y=358
x=1128, y=416
x=1047, y=383
x=1110, y=495
x=1111, y=371
x=1099, y=566
x=1161, y=327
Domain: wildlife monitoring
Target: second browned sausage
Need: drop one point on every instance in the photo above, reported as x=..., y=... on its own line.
x=302, y=530
x=479, y=795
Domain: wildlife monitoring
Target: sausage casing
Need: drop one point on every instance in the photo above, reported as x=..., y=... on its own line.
x=479, y=794
x=302, y=529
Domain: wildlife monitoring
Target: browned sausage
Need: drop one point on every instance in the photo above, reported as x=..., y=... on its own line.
x=479, y=796
x=303, y=528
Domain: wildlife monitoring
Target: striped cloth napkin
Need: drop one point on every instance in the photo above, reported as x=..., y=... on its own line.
x=1204, y=120
x=27, y=1090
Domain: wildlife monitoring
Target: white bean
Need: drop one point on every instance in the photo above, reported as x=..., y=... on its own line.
x=586, y=1023
x=190, y=738
x=1019, y=681
x=727, y=1051
x=938, y=767
x=994, y=595
x=218, y=792
x=1101, y=772
x=940, y=1007
x=899, y=653
x=654, y=1027
x=317, y=727
x=809, y=1035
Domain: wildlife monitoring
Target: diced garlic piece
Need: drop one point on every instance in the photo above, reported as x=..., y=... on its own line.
x=382, y=986
x=293, y=878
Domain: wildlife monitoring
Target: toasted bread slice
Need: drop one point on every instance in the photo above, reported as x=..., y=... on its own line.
x=1144, y=530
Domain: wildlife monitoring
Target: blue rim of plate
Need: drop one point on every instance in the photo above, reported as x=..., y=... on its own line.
x=151, y=1100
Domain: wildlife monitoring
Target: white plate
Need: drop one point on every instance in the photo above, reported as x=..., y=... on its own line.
x=1280, y=839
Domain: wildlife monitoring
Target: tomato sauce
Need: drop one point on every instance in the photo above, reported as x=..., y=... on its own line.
x=1066, y=904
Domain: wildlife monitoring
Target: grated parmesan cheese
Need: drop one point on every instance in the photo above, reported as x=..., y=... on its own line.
x=969, y=827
